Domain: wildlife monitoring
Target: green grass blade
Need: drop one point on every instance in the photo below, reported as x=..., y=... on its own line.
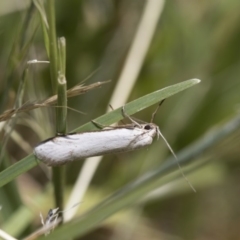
x=17, y=169
x=139, y=104
x=135, y=106
x=43, y=18
x=9, y=194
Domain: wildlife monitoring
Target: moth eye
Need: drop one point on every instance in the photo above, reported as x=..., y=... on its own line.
x=147, y=127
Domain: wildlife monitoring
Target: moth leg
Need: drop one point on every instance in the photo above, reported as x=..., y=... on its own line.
x=99, y=125
x=127, y=116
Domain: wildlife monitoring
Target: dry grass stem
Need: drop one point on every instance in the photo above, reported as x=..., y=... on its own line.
x=72, y=92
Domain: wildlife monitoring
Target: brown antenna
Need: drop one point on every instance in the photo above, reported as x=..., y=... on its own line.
x=153, y=115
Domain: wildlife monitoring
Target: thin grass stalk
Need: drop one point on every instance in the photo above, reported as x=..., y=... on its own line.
x=72, y=92
x=62, y=55
x=44, y=23
x=50, y=4
x=61, y=123
x=58, y=84
x=4, y=235
x=59, y=172
x=18, y=51
x=9, y=125
x=62, y=89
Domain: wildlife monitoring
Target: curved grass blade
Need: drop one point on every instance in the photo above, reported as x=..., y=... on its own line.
x=17, y=169
x=139, y=104
x=135, y=106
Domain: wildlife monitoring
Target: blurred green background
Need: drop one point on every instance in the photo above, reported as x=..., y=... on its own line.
x=193, y=39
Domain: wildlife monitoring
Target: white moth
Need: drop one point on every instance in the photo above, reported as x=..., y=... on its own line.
x=67, y=148
x=59, y=150
x=64, y=149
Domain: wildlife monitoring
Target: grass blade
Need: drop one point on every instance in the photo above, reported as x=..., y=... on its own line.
x=139, y=104
x=135, y=106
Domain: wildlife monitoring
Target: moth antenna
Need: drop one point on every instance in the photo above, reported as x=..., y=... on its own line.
x=72, y=109
x=179, y=166
x=73, y=206
x=91, y=74
x=154, y=113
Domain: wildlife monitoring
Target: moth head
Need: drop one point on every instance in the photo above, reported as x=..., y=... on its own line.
x=151, y=127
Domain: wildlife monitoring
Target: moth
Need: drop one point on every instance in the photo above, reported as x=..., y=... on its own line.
x=63, y=149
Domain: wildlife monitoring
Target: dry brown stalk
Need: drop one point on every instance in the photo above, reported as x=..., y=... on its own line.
x=72, y=92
